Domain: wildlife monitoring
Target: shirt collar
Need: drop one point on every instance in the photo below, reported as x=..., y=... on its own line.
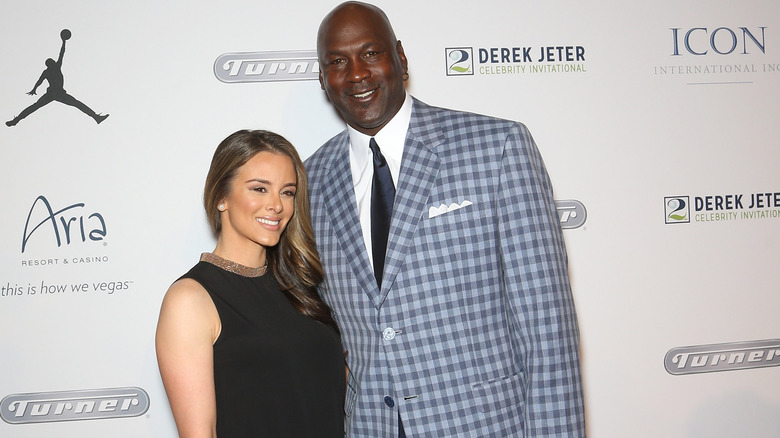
x=390, y=138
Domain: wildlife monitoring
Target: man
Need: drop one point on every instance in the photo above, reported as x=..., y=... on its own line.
x=465, y=324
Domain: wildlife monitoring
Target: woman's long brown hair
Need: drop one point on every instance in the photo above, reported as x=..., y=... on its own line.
x=294, y=261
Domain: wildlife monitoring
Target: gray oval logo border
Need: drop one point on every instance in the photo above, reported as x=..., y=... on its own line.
x=722, y=357
x=89, y=404
x=571, y=213
x=268, y=66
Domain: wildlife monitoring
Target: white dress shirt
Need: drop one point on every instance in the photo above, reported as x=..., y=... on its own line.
x=390, y=140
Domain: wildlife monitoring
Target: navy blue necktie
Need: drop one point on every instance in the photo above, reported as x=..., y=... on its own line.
x=382, y=197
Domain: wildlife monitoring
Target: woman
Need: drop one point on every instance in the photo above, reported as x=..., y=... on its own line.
x=243, y=352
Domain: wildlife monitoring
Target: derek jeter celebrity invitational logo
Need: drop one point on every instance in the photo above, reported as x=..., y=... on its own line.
x=460, y=61
x=515, y=60
x=677, y=209
x=727, y=207
x=56, y=89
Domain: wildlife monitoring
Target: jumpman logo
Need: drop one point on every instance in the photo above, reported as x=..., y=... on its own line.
x=53, y=75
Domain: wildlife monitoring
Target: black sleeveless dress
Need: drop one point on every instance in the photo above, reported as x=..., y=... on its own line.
x=277, y=373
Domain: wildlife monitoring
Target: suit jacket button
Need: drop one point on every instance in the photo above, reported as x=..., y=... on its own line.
x=389, y=401
x=388, y=334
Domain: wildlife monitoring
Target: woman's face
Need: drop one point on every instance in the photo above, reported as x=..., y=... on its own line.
x=260, y=202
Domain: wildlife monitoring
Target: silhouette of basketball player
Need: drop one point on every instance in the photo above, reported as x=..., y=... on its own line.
x=53, y=74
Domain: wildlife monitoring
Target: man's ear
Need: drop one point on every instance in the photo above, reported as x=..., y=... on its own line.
x=399, y=48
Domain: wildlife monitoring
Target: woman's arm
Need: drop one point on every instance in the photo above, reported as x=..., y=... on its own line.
x=188, y=326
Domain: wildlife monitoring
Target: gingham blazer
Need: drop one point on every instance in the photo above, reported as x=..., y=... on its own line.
x=473, y=332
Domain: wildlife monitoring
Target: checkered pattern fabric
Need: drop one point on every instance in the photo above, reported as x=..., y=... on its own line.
x=473, y=332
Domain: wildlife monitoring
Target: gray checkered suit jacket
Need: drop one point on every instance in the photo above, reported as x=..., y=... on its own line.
x=473, y=333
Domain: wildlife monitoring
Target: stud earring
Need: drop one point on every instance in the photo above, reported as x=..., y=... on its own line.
x=221, y=207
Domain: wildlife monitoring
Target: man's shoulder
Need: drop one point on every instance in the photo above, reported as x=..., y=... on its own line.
x=458, y=131
x=326, y=152
x=464, y=122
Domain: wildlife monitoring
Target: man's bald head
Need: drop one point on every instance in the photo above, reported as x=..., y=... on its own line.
x=352, y=11
x=362, y=65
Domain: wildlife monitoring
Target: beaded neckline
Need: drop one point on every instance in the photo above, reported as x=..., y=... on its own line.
x=244, y=271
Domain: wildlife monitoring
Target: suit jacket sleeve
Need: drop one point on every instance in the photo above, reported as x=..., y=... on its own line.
x=536, y=282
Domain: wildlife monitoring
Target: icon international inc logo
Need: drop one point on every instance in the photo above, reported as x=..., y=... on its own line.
x=716, y=54
x=44, y=407
x=677, y=209
x=723, y=357
x=460, y=61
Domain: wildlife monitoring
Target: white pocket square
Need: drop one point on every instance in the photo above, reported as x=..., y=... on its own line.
x=436, y=211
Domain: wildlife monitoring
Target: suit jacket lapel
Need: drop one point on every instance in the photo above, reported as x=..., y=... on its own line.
x=339, y=197
x=419, y=168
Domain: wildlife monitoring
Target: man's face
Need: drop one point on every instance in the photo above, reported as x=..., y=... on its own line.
x=361, y=68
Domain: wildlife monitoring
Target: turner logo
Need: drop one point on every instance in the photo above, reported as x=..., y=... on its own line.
x=267, y=66
x=44, y=407
x=723, y=357
x=571, y=213
x=64, y=225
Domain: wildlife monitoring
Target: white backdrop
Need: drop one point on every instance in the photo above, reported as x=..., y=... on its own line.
x=629, y=130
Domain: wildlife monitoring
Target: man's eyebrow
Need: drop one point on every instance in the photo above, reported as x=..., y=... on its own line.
x=362, y=47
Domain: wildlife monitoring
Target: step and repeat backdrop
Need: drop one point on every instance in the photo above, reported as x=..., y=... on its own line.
x=658, y=122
